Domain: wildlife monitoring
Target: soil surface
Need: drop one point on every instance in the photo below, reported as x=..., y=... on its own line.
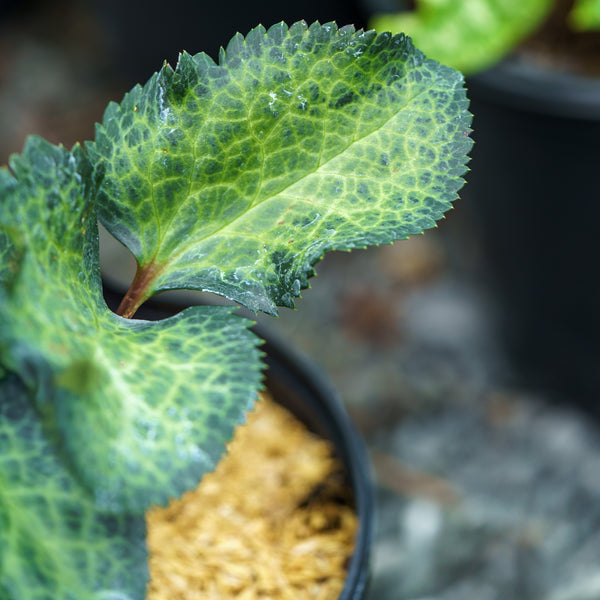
x=274, y=521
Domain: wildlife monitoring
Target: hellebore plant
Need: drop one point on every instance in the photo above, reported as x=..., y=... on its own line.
x=473, y=35
x=231, y=177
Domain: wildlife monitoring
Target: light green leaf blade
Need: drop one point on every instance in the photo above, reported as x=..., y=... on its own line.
x=56, y=543
x=585, y=15
x=143, y=409
x=471, y=35
x=165, y=400
x=236, y=177
x=34, y=245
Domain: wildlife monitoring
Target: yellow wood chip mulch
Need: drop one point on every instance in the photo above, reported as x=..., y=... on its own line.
x=269, y=523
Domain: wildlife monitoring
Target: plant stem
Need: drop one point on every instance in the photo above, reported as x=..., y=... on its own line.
x=138, y=292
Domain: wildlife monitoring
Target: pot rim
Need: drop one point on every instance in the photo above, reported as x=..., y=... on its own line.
x=349, y=445
x=523, y=84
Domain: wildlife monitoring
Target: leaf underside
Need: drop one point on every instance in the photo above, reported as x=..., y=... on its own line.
x=236, y=177
x=471, y=35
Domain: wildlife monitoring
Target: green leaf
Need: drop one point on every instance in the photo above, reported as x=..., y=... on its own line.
x=142, y=409
x=236, y=177
x=50, y=180
x=470, y=35
x=585, y=15
x=168, y=398
x=56, y=544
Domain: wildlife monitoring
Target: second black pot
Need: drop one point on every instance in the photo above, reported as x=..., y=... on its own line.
x=532, y=200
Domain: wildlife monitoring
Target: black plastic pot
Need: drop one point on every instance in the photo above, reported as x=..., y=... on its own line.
x=532, y=200
x=298, y=385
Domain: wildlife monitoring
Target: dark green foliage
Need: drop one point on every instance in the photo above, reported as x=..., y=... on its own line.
x=235, y=178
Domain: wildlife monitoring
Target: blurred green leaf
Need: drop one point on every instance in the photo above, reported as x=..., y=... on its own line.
x=470, y=35
x=585, y=15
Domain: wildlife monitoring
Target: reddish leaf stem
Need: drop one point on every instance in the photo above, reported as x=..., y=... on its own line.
x=138, y=292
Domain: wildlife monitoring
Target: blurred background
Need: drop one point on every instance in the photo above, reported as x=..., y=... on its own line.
x=478, y=401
